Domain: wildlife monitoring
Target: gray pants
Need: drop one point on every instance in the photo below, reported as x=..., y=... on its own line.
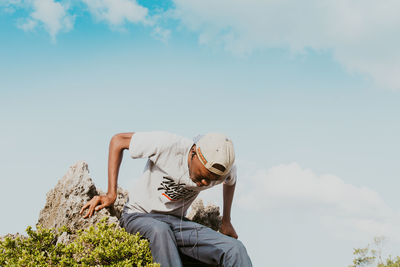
x=168, y=233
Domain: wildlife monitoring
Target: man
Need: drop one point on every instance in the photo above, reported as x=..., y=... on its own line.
x=176, y=171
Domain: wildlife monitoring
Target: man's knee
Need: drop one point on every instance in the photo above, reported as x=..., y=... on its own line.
x=159, y=231
x=236, y=254
x=236, y=247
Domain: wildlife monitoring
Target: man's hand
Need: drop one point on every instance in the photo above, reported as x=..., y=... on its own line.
x=118, y=143
x=96, y=204
x=227, y=229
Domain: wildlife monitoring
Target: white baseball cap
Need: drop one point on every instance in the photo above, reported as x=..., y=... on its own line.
x=215, y=152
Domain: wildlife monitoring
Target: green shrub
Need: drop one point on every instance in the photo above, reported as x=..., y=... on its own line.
x=102, y=245
x=372, y=256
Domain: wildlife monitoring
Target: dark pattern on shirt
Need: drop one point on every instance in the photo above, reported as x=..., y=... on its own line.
x=175, y=191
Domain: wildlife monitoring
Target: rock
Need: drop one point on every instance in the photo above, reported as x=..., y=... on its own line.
x=65, y=200
x=208, y=216
x=65, y=238
x=76, y=188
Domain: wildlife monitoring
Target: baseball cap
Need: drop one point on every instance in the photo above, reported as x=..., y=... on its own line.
x=216, y=153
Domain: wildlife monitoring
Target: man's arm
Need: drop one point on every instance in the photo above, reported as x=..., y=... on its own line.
x=118, y=144
x=226, y=226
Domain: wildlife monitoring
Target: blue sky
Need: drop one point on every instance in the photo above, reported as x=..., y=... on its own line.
x=311, y=100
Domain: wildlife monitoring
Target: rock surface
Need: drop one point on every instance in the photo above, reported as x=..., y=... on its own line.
x=76, y=188
x=66, y=199
x=208, y=215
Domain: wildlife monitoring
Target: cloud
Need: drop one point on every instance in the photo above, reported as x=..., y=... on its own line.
x=52, y=15
x=117, y=12
x=361, y=35
x=9, y=6
x=56, y=16
x=161, y=34
x=348, y=211
x=28, y=25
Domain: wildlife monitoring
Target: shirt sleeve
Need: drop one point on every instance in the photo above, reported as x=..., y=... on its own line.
x=149, y=144
x=232, y=176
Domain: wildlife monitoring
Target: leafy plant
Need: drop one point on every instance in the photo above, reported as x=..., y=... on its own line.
x=373, y=256
x=102, y=245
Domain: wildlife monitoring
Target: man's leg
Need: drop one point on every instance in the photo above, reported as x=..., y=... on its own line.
x=207, y=245
x=162, y=240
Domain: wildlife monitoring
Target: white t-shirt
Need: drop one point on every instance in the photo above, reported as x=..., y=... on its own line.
x=165, y=185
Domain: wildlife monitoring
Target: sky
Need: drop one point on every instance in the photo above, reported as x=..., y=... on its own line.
x=309, y=92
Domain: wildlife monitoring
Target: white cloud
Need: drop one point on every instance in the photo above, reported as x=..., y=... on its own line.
x=117, y=12
x=362, y=35
x=9, y=2
x=161, y=34
x=347, y=210
x=10, y=6
x=28, y=25
x=52, y=15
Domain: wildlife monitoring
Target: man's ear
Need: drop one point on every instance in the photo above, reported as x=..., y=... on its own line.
x=193, y=150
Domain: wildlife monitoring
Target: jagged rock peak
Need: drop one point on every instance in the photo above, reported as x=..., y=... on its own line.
x=66, y=199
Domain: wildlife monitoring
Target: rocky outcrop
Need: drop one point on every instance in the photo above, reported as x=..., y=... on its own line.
x=76, y=188
x=208, y=215
x=72, y=192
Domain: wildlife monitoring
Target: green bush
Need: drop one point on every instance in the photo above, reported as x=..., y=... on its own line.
x=102, y=245
x=372, y=256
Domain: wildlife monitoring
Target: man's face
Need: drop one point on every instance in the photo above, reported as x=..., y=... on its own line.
x=198, y=173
